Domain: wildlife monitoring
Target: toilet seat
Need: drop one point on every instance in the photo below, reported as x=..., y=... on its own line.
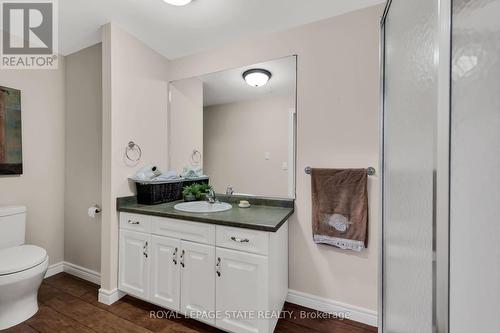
x=20, y=258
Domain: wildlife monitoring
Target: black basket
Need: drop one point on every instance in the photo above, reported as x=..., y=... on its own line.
x=153, y=194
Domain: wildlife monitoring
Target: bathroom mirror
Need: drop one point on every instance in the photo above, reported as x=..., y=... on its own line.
x=238, y=126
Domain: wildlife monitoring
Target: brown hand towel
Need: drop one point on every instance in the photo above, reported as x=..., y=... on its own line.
x=340, y=207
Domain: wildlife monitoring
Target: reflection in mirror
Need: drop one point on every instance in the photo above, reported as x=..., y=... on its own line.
x=242, y=122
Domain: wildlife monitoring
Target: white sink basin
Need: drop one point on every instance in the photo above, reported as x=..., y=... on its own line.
x=202, y=207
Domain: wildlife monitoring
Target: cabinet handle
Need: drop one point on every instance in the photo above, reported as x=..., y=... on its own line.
x=175, y=257
x=182, y=258
x=133, y=222
x=240, y=240
x=217, y=267
x=145, y=249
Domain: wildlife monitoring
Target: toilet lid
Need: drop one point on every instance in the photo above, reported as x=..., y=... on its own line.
x=19, y=258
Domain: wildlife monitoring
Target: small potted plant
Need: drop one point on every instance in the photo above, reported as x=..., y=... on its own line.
x=204, y=187
x=191, y=192
x=195, y=191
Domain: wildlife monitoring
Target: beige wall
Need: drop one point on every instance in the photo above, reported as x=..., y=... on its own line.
x=186, y=122
x=337, y=127
x=134, y=108
x=41, y=187
x=236, y=138
x=82, y=234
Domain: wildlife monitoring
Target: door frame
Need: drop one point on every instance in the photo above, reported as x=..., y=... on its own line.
x=441, y=195
x=381, y=168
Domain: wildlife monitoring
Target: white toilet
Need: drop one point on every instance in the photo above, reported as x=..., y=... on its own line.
x=22, y=268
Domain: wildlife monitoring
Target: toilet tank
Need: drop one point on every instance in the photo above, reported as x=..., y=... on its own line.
x=12, y=226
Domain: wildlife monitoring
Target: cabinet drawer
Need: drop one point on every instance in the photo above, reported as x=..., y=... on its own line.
x=135, y=222
x=247, y=240
x=191, y=231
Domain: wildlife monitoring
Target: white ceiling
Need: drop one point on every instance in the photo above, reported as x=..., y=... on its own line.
x=229, y=87
x=200, y=26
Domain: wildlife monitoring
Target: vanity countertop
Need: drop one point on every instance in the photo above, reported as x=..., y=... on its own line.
x=265, y=214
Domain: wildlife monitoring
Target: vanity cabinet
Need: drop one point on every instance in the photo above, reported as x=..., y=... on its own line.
x=233, y=278
x=134, y=264
x=241, y=285
x=165, y=272
x=198, y=280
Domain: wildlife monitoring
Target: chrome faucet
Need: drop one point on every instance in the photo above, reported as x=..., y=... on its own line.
x=229, y=190
x=211, y=198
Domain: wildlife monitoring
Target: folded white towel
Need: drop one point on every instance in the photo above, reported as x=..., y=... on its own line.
x=192, y=172
x=169, y=175
x=147, y=173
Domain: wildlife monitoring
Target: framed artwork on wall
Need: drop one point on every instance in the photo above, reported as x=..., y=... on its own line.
x=11, y=150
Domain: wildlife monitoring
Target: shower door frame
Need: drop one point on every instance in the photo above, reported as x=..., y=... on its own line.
x=441, y=173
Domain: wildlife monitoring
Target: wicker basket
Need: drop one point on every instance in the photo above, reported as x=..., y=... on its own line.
x=153, y=193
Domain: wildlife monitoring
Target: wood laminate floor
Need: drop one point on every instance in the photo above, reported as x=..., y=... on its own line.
x=69, y=305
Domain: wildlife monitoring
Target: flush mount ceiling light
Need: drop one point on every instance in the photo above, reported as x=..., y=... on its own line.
x=256, y=77
x=178, y=2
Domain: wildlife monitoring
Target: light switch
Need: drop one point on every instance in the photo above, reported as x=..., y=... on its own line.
x=284, y=166
x=267, y=155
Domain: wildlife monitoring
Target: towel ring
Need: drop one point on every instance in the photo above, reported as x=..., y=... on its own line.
x=130, y=147
x=196, y=156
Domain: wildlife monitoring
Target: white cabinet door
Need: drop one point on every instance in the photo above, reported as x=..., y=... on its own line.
x=165, y=273
x=198, y=281
x=241, y=291
x=134, y=263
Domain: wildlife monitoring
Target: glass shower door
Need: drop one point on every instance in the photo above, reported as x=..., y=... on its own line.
x=475, y=168
x=410, y=91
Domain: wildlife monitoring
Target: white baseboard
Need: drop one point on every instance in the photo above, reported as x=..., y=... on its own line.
x=82, y=273
x=55, y=269
x=108, y=297
x=78, y=271
x=356, y=313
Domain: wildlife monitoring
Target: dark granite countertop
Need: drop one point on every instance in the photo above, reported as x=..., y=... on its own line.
x=266, y=214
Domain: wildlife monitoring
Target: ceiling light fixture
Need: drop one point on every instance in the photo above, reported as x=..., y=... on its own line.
x=257, y=77
x=178, y=2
